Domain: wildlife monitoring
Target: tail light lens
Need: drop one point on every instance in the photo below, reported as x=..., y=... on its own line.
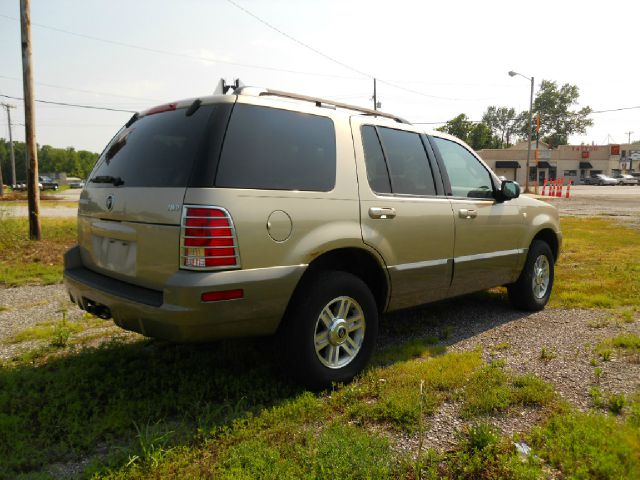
x=208, y=239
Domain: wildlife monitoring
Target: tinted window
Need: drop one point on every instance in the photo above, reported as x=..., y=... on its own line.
x=157, y=150
x=467, y=176
x=374, y=158
x=272, y=149
x=407, y=161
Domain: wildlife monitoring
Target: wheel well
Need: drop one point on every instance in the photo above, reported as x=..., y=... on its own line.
x=549, y=237
x=356, y=261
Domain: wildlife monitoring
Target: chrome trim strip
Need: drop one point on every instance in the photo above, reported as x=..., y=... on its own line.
x=425, y=264
x=488, y=255
x=465, y=258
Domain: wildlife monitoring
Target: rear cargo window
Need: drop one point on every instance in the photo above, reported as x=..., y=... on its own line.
x=273, y=149
x=157, y=150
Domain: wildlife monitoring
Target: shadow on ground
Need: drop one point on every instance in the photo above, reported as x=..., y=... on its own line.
x=114, y=401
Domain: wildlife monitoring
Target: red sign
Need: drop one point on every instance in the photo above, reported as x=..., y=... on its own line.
x=615, y=149
x=585, y=154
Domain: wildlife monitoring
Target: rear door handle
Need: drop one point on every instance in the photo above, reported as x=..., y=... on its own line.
x=382, y=212
x=467, y=213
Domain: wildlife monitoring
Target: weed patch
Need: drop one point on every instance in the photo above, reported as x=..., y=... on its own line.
x=492, y=390
x=589, y=445
x=627, y=345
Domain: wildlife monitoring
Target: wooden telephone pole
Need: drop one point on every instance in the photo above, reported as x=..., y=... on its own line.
x=33, y=192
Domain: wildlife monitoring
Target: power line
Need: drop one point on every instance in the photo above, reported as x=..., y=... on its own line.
x=64, y=104
x=83, y=90
x=332, y=59
x=176, y=54
x=299, y=42
x=616, y=109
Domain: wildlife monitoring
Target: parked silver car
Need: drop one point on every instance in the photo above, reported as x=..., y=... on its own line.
x=625, y=179
x=600, y=179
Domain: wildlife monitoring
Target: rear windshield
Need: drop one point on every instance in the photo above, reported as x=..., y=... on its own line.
x=157, y=150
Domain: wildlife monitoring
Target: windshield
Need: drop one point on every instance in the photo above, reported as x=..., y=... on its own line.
x=155, y=151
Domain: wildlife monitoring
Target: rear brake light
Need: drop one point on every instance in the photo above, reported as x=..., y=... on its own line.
x=161, y=108
x=208, y=239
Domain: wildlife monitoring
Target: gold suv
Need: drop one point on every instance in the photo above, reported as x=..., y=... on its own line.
x=262, y=212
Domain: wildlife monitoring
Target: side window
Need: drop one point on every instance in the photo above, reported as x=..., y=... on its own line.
x=467, y=175
x=272, y=149
x=374, y=158
x=407, y=162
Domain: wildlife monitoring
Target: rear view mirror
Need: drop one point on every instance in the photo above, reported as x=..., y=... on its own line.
x=509, y=189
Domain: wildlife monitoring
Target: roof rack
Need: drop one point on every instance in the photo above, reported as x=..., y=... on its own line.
x=237, y=86
x=323, y=101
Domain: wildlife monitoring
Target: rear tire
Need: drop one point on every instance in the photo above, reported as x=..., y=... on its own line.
x=331, y=329
x=533, y=288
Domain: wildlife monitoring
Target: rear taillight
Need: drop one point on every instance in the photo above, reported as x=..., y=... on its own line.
x=207, y=239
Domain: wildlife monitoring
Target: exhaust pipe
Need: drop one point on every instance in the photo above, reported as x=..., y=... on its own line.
x=99, y=311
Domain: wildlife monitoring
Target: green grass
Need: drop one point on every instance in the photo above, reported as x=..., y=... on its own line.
x=493, y=390
x=590, y=445
x=54, y=330
x=26, y=262
x=589, y=273
x=189, y=409
x=627, y=345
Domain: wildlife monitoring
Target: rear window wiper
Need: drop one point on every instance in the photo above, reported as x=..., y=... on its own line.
x=117, y=181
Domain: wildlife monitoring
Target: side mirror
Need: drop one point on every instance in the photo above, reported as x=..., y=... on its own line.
x=509, y=190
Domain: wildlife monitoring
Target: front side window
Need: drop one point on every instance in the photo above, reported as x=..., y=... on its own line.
x=467, y=176
x=407, y=162
x=273, y=149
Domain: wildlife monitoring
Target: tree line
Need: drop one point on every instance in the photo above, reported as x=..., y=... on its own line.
x=501, y=127
x=75, y=163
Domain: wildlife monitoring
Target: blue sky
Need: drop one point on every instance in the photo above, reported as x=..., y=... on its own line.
x=456, y=54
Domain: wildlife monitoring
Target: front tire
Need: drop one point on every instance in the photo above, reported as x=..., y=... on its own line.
x=330, y=329
x=533, y=288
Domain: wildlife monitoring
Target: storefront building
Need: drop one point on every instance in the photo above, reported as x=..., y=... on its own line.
x=571, y=162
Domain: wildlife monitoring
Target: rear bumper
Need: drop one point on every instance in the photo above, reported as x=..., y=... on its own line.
x=177, y=313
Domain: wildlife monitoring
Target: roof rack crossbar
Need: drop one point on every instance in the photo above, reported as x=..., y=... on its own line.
x=319, y=101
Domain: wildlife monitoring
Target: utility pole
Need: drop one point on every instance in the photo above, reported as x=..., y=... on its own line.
x=13, y=156
x=33, y=193
x=375, y=96
x=628, y=134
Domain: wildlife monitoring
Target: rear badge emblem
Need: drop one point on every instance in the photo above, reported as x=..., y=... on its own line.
x=109, y=202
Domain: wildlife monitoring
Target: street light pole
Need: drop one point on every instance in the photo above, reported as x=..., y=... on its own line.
x=526, y=183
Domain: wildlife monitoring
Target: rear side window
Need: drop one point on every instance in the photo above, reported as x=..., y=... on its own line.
x=407, y=162
x=272, y=149
x=157, y=150
x=374, y=158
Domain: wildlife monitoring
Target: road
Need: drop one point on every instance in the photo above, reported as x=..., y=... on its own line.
x=591, y=200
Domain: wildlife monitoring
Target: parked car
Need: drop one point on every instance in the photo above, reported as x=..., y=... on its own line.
x=624, y=179
x=600, y=179
x=22, y=186
x=76, y=184
x=46, y=183
x=265, y=212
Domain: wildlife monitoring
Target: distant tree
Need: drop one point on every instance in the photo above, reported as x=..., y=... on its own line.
x=502, y=122
x=459, y=127
x=557, y=120
x=481, y=137
x=50, y=160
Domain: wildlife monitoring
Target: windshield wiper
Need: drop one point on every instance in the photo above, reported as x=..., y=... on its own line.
x=117, y=181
